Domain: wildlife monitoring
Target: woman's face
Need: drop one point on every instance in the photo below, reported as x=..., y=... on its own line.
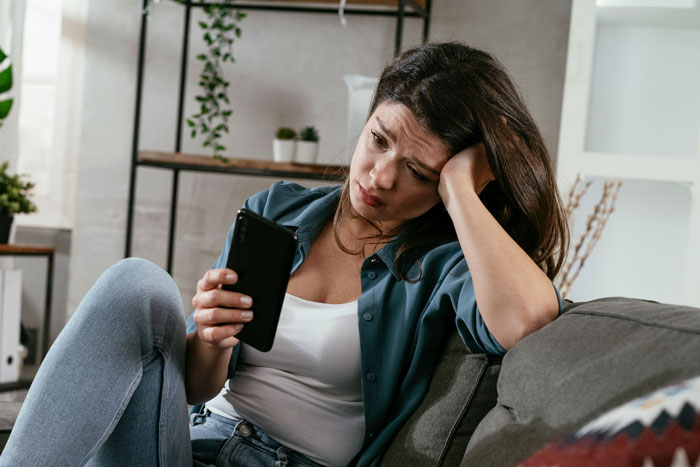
x=395, y=170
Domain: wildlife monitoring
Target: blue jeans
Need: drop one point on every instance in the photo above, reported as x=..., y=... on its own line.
x=222, y=441
x=111, y=390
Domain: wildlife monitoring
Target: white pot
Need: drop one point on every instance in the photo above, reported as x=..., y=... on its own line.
x=307, y=151
x=283, y=150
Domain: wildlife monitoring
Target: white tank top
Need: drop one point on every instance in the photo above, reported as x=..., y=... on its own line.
x=306, y=391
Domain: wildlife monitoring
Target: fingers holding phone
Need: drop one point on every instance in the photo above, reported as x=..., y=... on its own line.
x=220, y=314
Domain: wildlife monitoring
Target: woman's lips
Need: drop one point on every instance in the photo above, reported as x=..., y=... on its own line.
x=368, y=199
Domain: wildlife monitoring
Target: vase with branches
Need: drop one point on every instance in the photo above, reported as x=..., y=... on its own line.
x=595, y=223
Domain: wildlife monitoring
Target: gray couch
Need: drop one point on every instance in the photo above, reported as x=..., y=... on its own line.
x=484, y=411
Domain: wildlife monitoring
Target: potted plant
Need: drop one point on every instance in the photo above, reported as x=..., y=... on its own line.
x=5, y=86
x=283, y=145
x=307, y=147
x=14, y=199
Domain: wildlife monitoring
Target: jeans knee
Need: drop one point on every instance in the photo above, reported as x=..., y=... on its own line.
x=136, y=282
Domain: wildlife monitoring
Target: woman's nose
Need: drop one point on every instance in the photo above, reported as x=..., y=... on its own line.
x=383, y=174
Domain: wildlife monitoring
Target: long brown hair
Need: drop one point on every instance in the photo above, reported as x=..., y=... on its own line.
x=465, y=96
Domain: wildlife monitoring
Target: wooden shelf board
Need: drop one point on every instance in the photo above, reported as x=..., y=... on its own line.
x=412, y=7
x=393, y=3
x=6, y=249
x=264, y=168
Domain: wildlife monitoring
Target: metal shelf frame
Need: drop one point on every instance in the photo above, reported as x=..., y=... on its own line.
x=404, y=8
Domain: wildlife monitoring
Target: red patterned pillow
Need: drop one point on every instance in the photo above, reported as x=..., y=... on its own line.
x=661, y=429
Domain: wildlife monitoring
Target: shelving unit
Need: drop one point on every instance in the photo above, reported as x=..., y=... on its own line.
x=633, y=158
x=176, y=161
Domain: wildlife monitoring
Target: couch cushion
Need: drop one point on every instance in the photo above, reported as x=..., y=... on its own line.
x=596, y=356
x=659, y=429
x=462, y=391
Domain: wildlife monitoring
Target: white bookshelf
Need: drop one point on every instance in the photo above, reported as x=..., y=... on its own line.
x=631, y=110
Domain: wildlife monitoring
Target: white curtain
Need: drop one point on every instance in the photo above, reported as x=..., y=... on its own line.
x=43, y=133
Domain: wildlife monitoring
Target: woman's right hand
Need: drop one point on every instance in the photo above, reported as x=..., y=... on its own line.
x=220, y=314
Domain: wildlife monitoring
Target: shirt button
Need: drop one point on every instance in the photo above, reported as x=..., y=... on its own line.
x=371, y=435
x=367, y=316
x=371, y=275
x=371, y=377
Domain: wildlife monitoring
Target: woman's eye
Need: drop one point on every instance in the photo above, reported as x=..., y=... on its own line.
x=418, y=175
x=379, y=139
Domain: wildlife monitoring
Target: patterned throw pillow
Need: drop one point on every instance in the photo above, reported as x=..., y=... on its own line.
x=661, y=429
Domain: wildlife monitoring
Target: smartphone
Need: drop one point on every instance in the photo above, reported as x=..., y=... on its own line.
x=261, y=253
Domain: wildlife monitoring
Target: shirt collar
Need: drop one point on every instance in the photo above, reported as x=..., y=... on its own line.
x=309, y=222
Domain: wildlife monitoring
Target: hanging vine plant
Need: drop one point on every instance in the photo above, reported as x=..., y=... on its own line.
x=219, y=33
x=221, y=28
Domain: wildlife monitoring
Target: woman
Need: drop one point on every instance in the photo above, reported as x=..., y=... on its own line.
x=449, y=166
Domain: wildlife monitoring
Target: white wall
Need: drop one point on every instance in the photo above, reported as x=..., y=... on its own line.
x=288, y=71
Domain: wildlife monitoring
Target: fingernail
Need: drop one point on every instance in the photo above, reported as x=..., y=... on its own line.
x=230, y=277
x=247, y=314
x=237, y=327
x=246, y=301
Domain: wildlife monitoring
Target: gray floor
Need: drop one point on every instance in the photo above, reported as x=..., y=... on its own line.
x=10, y=403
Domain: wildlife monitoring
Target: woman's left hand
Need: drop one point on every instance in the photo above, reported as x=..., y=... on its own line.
x=469, y=166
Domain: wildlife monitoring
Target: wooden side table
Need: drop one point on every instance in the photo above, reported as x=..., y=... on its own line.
x=32, y=250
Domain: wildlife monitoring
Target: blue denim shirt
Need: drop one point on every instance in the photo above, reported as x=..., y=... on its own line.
x=402, y=324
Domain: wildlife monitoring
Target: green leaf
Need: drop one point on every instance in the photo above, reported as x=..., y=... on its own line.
x=6, y=79
x=220, y=148
x=5, y=107
x=193, y=134
x=2, y=56
x=238, y=32
x=227, y=113
x=206, y=143
x=190, y=122
x=203, y=25
x=201, y=57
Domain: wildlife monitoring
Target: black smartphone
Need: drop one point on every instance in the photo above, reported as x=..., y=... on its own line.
x=261, y=253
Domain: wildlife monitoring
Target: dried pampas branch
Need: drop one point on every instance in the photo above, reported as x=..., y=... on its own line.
x=594, y=228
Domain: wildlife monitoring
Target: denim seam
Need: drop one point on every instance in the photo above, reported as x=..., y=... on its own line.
x=115, y=420
x=162, y=429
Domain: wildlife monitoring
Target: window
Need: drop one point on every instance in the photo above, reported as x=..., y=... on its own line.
x=49, y=111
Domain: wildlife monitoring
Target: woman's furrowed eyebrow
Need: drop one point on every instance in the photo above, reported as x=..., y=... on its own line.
x=414, y=159
x=385, y=129
x=429, y=169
